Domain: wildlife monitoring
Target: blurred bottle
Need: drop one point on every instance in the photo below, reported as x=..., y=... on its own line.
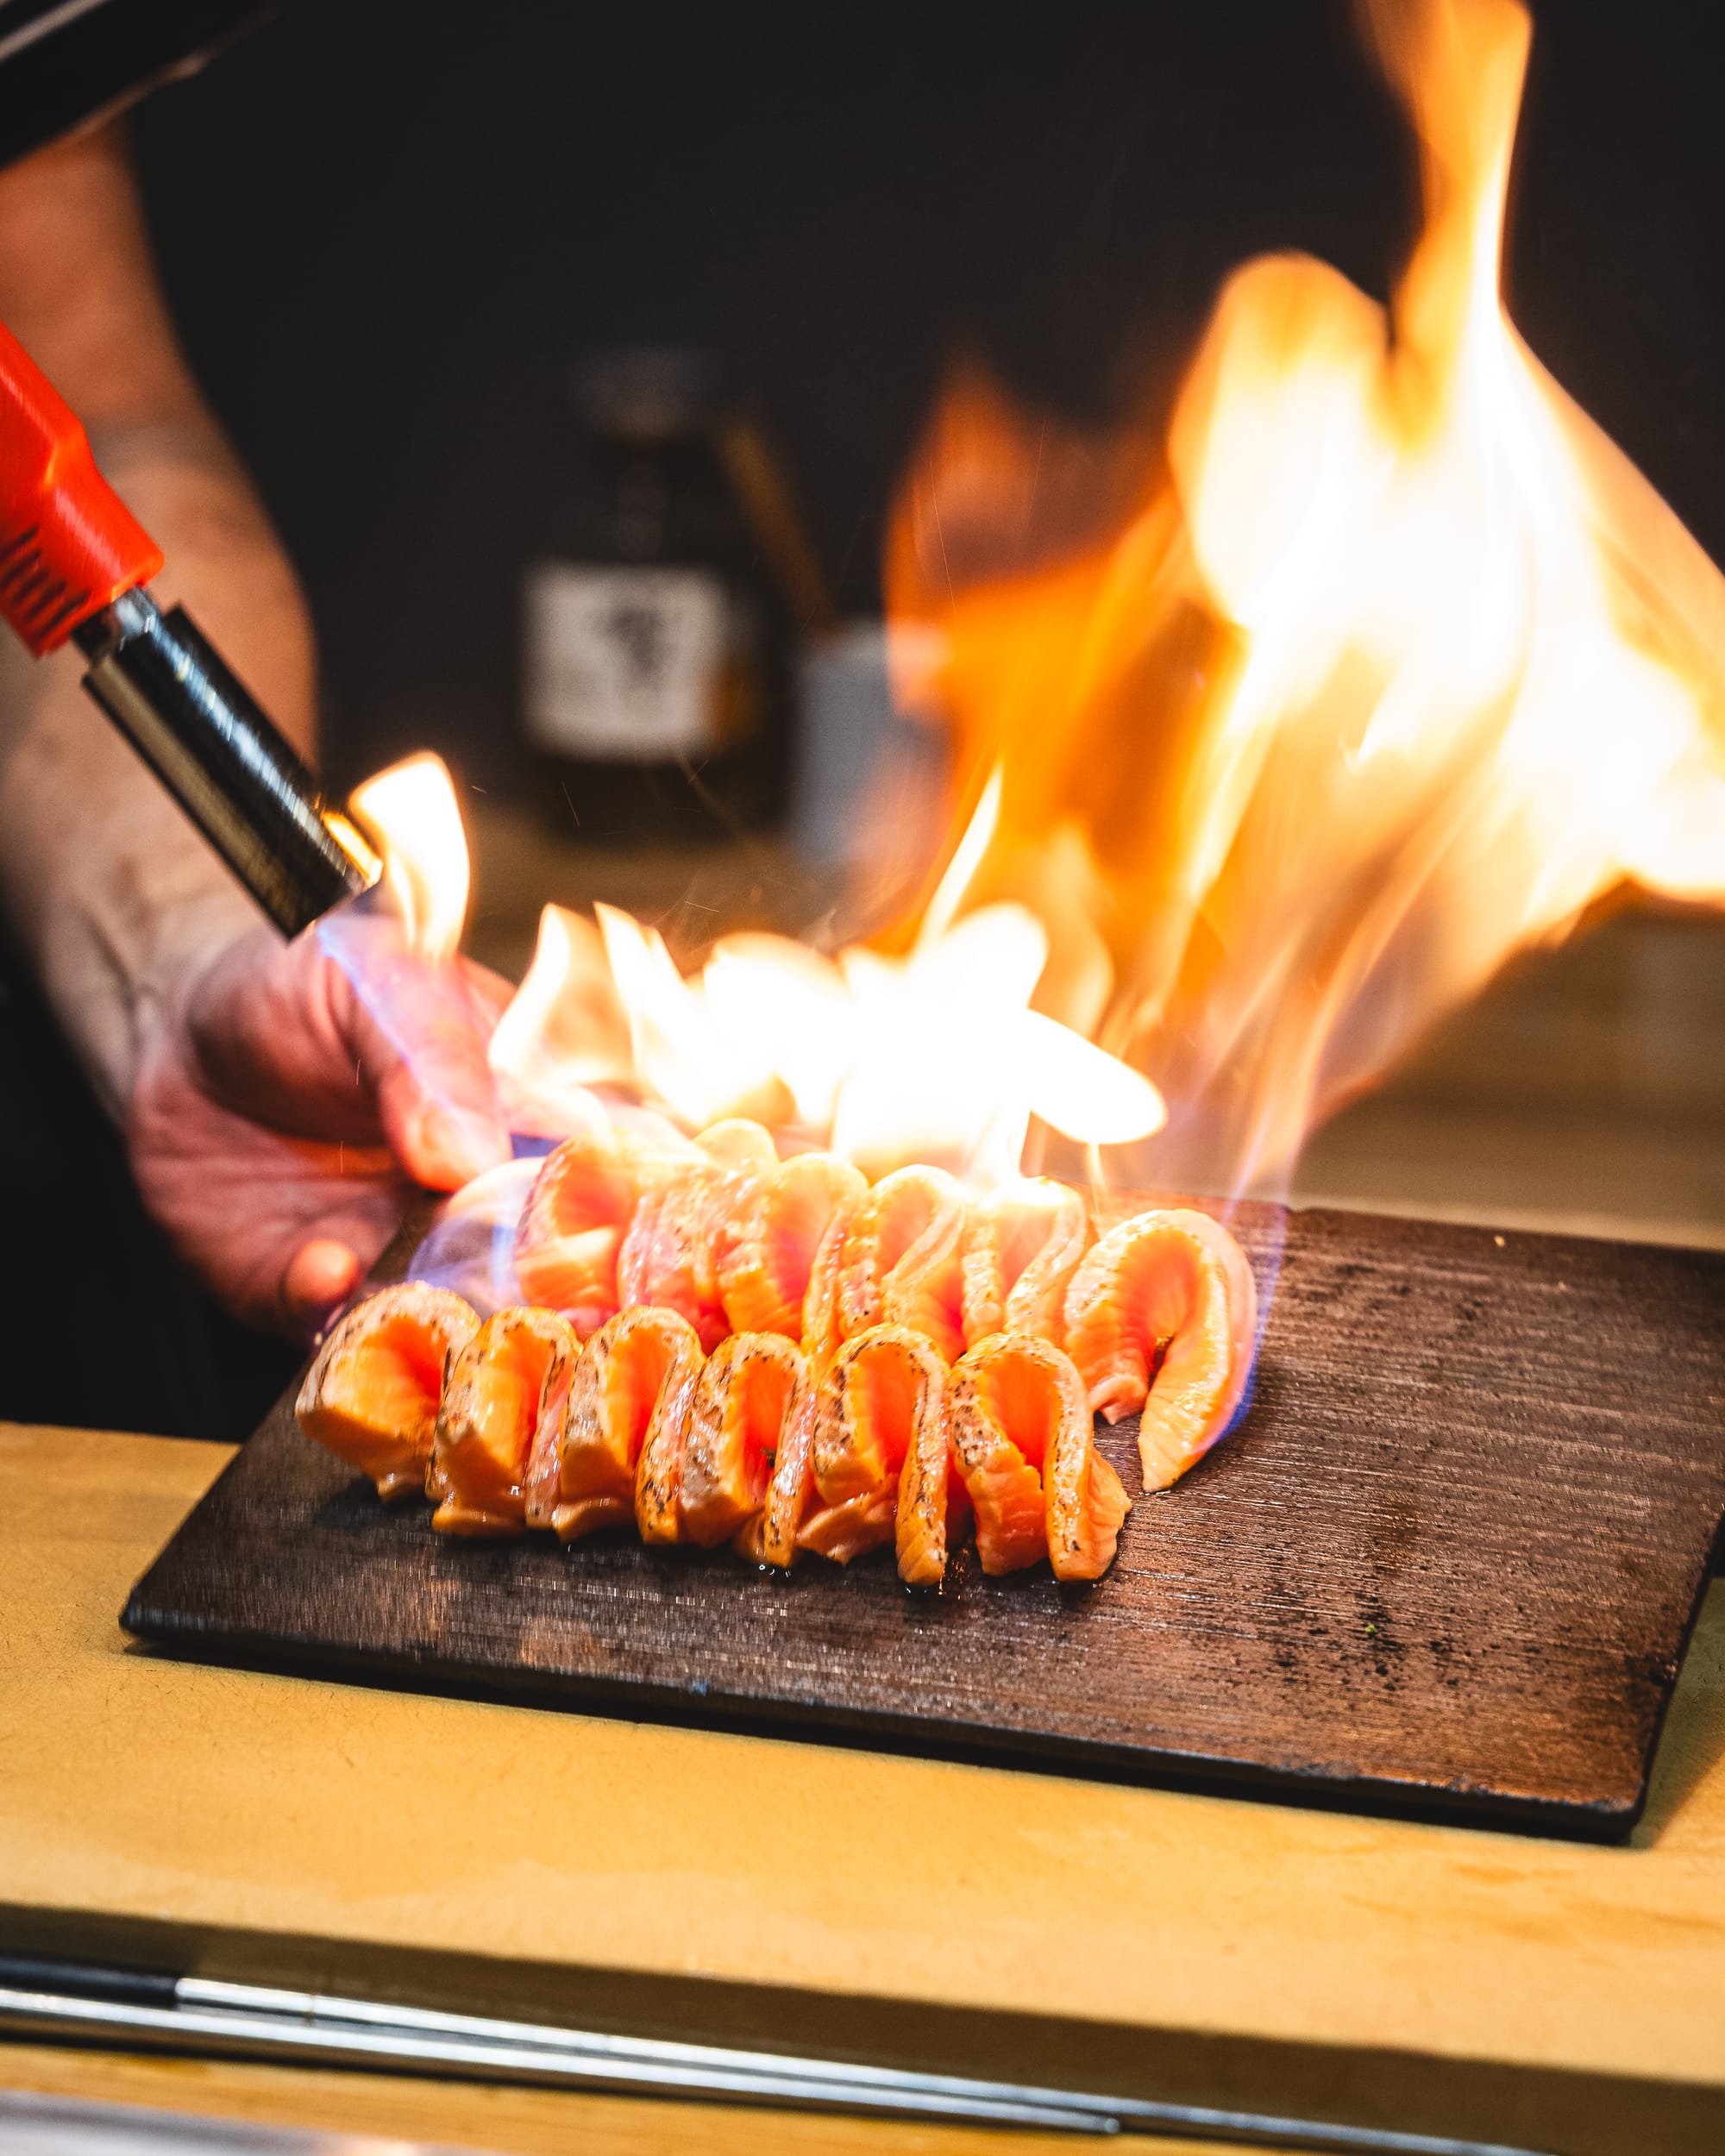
x=657, y=628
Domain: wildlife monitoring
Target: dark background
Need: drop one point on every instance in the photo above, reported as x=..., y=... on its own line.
x=389, y=228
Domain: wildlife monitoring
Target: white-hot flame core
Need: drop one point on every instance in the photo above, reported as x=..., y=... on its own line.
x=412, y=813
x=936, y=1057
x=681, y=1054
x=563, y=1031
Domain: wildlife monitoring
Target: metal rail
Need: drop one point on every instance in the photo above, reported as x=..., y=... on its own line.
x=193, y=2013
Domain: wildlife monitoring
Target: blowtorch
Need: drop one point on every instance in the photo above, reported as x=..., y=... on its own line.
x=74, y=563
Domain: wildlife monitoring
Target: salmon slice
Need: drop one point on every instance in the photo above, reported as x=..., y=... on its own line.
x=898, y=1262
x=771, y=1536
x=544, y=1458
x=510, y=1378
x=577, y=1213
x=934, y=1506
x=629, y=1400
x=751, y=1388
x=769, y=1255
x=1086, y=1499
x=896, y=1244
x=739, y=1145
x=666, y=1257
x=1026, y=1449
x=745, y=1156
x=821, y=1336
x=372, y=1394
x=882, y=1457
x=774, y=1537
x=1006, y=1400
x=669, y=1255
x=1022, y=1246
x=1173, y=1286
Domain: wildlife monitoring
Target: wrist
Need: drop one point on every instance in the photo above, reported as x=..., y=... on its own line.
x=110, y=891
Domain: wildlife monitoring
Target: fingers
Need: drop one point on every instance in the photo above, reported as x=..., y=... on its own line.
x=264, y=1090
x=281, y=1227
x=490, y=991
x=441, y=1143
x=381, y=1045
x=421, y=1032
x=269, y=1030
x=435, y=1096
x=321, y=1274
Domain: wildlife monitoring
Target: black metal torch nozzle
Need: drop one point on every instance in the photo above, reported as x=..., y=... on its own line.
x=212, y=745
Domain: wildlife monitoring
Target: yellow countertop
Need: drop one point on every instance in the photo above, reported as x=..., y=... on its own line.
x=967, y=1916
x=509, y=2122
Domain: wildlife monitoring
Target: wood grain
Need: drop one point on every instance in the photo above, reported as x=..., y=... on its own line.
x=670, y=1880
x=1449, y=1559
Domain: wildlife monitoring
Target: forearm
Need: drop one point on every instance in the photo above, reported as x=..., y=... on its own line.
x=106, y=886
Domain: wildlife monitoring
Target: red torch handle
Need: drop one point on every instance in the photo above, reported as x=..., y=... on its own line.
x=71, y=558
x=69, y=545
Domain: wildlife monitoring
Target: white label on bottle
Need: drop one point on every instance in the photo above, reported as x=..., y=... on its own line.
x=623, y=665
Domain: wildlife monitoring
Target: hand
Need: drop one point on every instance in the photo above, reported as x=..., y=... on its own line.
x=277, y=1135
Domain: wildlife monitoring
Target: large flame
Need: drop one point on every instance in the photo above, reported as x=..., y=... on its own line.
x=933, y=1057
x=1389, y=665
x=936, y=1057
x=1279, y=728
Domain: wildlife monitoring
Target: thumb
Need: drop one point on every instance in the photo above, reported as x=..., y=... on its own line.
x=442, y=1140
x=321, y=1273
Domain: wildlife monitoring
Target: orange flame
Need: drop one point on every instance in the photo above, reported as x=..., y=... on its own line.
x=1389, y=665
x=411, y=811
x=564, y=1027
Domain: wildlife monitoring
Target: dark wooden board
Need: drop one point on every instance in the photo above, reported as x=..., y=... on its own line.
x=1450, y=1558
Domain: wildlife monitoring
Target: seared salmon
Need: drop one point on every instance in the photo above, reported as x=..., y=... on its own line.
x=666, y=1256
x=791, y=1493
x=881, y=1456
x=1022, y=1246
x=739, y=1145
x=628, y=1401
x=576, y=1215
x=890, y=1256
x=891, y=1252
x=771, y=1538
x=372, y=1394
x=1086, y=1503
x=1026, y=1449
x=768, y=1254
x=821, y=1335
x=1161, y=1316
x=752, y=1390
x=512, y=1377
x=670, y=1253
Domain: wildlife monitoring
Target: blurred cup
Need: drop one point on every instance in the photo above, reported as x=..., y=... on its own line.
x=853, y=748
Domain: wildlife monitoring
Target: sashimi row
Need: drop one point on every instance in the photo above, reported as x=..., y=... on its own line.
x=733, y=1240
x=514, y=1423
x=719, y=1346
